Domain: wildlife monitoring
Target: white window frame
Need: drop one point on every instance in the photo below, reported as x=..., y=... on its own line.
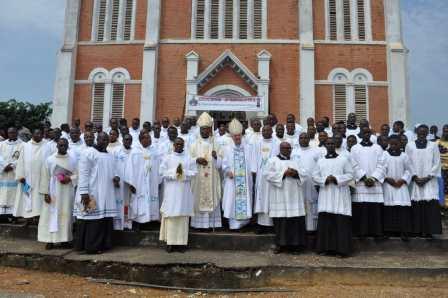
x=108, y=79
x=108, y=21
x=221, y=20
x=353, y=18
x=356, y=77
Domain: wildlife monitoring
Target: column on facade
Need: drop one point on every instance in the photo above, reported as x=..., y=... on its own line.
x=192, y=73
x=264, y=60
x=150, y=53
x=397, y=64
x=307, y=67
x=65, y=66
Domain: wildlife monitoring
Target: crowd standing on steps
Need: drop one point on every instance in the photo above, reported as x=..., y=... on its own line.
x=331, y=181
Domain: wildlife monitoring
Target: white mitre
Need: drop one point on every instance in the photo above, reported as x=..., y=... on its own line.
x=205, y=120
x=235, y=127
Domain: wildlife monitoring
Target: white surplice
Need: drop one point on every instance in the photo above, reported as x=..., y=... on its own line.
x=368, y=161
x=112, y=147
x=55, y=222
x=76, y=148
x=230, y=185
x=96, y=174
x=121, y=157
x=142, y=172
x=307, y=158
x=262, y=152
x=335, y=199
x=10, y=152
x=426, y=162
x=28, y=203
x=178, y=201
x=206, y=185
x=178, y=196
x=397, y=167
x=285, y=193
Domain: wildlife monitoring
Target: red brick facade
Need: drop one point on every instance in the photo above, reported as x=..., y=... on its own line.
x=284, y=89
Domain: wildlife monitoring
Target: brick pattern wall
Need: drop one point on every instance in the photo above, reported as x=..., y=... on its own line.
x=109, y=57
x=85, y=21
x=176, y=25
x=371, y=57
x=283, y=19
x=284, y=91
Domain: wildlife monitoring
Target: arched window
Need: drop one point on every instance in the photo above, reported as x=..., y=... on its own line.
x=108, y=94
x=118, y=94
x=350, y=93
x=98, y=96
x=348, y=20
x=113, y=20
x=229, y=19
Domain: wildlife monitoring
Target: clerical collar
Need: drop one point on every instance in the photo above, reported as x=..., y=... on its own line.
x=331, y=155
x=421, y=144
x=282, y=157
x=13, y=142
x=267, y=140
x=305, y=147
x=394, y=152
x=366, y=143
x=352, y=126
x=178, y=154
x=102, y=150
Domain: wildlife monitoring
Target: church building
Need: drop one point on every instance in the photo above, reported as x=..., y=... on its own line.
x=154, y=58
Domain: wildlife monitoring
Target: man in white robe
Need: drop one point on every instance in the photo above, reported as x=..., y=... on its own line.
x=28, y=200
x=166, y=147
x=262, y=152
x=206, y=184
x=298, y=129
x=10, y=151
x=291, y=136
x=97, y=188
x=368, y=199
x=237, y=168
x=254, y=136
x=57, y=184
x=51, y=146
x=307, y=158
x=75, y=143
x=352, y=128
x=142, y=175
x=177, y=170
x=286, y=204
x=121, y=157
x=397, y=200
x=185, y=135
x=333, y=173
x=156, y=139
x=134, y=130
x=425, y=158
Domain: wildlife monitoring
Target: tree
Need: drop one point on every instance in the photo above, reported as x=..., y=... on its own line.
x=26, y=114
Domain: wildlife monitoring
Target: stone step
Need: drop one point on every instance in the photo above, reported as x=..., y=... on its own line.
x=244, y=241
x=233, y=269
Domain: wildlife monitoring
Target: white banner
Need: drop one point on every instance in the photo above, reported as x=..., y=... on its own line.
x=235, y=104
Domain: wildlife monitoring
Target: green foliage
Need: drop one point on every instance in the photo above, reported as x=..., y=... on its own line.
x=25, y=113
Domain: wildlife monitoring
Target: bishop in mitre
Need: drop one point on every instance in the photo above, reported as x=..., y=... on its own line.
x=237, y=167
x=206, y=185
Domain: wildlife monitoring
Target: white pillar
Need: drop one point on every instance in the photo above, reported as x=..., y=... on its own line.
x=192, y=73
x=340, y=19
x=150, y=57
x=397, y=64
x=107, y=111
x=207, y=18
x=264, y=59
x=65, y=66
x=307, y=67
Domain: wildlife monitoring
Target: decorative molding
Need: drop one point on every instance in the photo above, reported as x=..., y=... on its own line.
x=229, y=41
x=227, y=58
x=225, y=87
x=351, y=42
x=110, y=42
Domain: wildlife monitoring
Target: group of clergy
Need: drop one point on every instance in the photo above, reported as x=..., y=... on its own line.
x=335, y=182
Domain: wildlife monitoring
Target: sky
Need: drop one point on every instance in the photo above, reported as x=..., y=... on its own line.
x=31, y=34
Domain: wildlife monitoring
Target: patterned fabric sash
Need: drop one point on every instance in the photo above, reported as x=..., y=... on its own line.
x=240, y=184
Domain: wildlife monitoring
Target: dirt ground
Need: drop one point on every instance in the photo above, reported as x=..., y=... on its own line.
x=25, y=283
